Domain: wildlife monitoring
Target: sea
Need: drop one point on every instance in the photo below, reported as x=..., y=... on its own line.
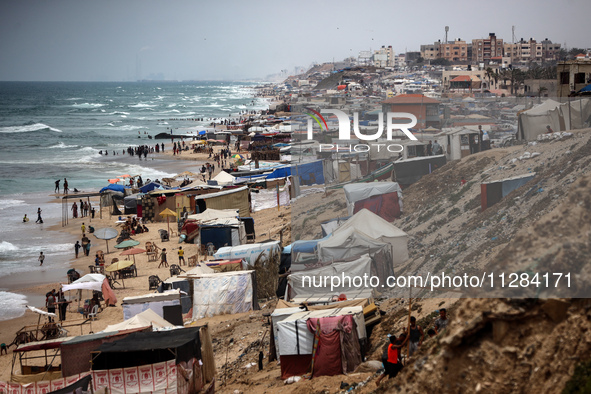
x=56, y=130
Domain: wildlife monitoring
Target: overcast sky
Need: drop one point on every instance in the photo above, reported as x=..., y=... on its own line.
x=63, y=40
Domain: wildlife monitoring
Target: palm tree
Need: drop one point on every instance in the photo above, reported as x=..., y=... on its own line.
x=489, y=74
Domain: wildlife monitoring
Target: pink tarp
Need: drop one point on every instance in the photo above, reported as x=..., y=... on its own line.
x=108, y=294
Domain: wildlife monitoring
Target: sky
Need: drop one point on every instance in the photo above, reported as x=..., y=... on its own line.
x=106, y=40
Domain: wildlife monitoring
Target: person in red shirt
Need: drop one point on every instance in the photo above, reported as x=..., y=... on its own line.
x=391, y=357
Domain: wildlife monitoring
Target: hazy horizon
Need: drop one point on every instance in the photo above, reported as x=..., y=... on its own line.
x=68, y=40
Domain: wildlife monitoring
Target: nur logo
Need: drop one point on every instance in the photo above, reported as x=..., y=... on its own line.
x=345, y=124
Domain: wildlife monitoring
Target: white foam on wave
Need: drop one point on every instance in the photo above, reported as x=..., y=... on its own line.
x=119, y=113
x=11, y=203
x=12, y=305
x=27, y=128
x=141, y=105
x=6, y=248
x=61, y=145
x=88, y=105
x=128, y=127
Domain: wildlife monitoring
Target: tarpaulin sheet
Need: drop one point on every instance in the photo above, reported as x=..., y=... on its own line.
x=309, y=173
x=130, y=310
x=385, y=206
x=346, y=244
x=223, y=293
x=267, y=198
x=294, y=365
x=41, y=387
x=310, y=282
x=297, y=339
x=362, y=191
x=151, y=378
x=247, y=252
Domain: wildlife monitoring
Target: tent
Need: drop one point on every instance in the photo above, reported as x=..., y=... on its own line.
x=330, y=225
x=309, y=173
x=411, y=170
x=324, y=282
x=358, y=192
x=223, y=293
x=248, y=252
x=228, y=199
x=152, y=186
x=113, y=187
x=163, y=361
x=223, y=178
x=336, y=331
x=349, y=243
x=533, y=122
x=87, y=282
x=214, y=214
x=130, y=204
x=492, y=192
x=376, y=228
x=143, y=320
x=154, y=301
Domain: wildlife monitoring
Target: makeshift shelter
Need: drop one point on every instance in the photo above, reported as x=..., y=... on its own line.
x=375, y=227
x=154, y=301
x=223, y=178
x=181, y=284
x=350, y=244
x=492, y=192
x=382, y=198
x=223, y=293
x=412, y=170
x=249, y=252
x=312, y=284
x=212, y=214
x=179, y=361
x=533, y=122
x=335, y=333
x=96, y=282
x=130, y=204
x=330, y=225
x=309, y=173
x=228, y=199
x=147, y=319
x=152, y=186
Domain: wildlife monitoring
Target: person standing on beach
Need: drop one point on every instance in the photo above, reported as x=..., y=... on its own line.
x=181, y=256
x=77, y=247
x=87, y=249
x=41, y=259
x=65, y=186
x=74, y=210
x=62, y=304
x=39, y=220
x=83, y=227
x=163, y=258
x=57, y=186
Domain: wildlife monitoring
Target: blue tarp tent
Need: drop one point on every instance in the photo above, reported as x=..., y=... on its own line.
x=151, y=186
x=309, y=173
x=282, y=172
x=203, y=132
x=304, y=246
x=586, y=89
x=116, y=188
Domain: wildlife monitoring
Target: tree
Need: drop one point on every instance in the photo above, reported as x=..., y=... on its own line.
x=489, y=75
x=440, y=62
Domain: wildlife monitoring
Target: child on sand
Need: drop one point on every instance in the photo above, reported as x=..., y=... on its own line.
x=163, y=258
x=181, y=256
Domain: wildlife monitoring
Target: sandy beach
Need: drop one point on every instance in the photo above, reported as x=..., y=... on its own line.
x=35, y=284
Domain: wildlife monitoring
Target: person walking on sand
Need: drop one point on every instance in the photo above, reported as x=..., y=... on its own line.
x=39, y=220
x=163, y=259
x=181, y=256
x=57, y=186
x=41, y=259
x=87, y=248
x=77, y=247
x=66, y=186
x=74, y=210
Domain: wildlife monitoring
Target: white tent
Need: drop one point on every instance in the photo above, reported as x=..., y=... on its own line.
x=533, y=122
x=346, y=244
x=293, y=336
x=312, y=283
x=154, y=301
x=211, y=214
x=147, y=318
x=248, y=252
x=373, y=226
x=223, y=178
x=87, y=282
x=360, y=191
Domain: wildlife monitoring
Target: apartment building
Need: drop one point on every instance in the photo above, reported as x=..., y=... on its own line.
x=484, y=49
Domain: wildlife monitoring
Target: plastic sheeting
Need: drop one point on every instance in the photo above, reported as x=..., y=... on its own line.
x=222, y=293
x=155, y=301
x=87, y=282
x=309, y=173
x=154, y=378
x=319, y=281
x=267, y=198
x=247, y=252
x=291, y=332
x=346, y=244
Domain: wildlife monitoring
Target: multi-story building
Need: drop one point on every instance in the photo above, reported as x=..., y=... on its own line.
x=486, y=48
x=384, y=57
x=573, y=75
x=524, y=52
x=430, y=52
x=550, y=51
x=424, y=108
x=454, y=51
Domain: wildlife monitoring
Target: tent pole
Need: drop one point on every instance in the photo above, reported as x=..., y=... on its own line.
x=408, y=325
